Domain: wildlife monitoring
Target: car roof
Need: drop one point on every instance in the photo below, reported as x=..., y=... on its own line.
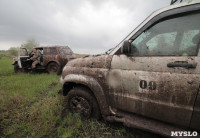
x=176, y=5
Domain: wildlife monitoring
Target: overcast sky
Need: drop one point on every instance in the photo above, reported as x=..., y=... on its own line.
x=87, y=26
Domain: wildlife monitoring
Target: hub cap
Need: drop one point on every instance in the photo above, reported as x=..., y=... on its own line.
x=81, y=105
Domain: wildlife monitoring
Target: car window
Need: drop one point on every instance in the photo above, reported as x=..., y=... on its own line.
x=171, y=37
x=50, y=51
x=23, y=52
x=161, y=42
x=188, y=43
x=53, y=51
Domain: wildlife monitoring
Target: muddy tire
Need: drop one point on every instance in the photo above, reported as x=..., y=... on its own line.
x=82, y=101
x=17, y=69
x=53, y=68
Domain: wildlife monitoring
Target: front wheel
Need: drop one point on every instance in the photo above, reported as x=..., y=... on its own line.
x=53, y=68
x=81, y=100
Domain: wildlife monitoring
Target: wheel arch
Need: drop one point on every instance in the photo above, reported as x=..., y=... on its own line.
x=52, y=61
x=74, y=80
x=56, y=62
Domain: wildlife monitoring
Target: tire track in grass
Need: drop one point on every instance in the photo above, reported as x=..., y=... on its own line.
x=24, y=110
x=43, y=94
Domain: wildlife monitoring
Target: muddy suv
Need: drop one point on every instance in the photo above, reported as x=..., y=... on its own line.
x=53, y=59
x=151, y=80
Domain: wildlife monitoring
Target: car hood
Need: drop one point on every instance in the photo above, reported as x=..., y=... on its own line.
x=95, y=61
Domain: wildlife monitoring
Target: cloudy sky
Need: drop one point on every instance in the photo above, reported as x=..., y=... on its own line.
x=87, y=26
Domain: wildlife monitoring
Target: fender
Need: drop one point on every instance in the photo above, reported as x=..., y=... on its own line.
x=93, y=85
x=53, y=61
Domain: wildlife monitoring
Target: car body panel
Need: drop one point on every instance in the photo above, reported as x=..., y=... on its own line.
x=196, y=113
x=168, y=93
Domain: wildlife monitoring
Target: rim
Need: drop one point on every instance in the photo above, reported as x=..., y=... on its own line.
x=53, y=68
x=81, y=105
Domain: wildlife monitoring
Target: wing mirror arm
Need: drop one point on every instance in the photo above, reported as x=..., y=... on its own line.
x=126, y=49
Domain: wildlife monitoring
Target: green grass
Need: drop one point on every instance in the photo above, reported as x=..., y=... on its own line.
x=30, y=106
x=28, y=102
x=6, y=66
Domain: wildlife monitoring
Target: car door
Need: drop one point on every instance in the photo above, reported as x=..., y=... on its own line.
x=160, y=77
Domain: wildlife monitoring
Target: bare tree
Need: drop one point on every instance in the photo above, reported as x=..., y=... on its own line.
x=30, y=44
x=13, y=51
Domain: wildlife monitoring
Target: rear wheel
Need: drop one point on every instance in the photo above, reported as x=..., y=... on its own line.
x=53, y=68
x=81, y=100
x=17, y=69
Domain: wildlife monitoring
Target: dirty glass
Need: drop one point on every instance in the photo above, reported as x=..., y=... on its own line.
x=171, y=37
x=53, y=51
x=50, y=51
x=46, y=51
x=188, y=43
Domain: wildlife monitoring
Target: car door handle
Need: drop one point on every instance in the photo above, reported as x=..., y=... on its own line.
x=182, y=64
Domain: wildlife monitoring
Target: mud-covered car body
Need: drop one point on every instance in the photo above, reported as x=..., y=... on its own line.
x=52, y=59
x=151, y=80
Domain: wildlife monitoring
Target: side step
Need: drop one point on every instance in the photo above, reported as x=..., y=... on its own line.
x=149, y=125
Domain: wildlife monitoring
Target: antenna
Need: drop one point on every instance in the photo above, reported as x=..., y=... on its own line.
x=174, y=1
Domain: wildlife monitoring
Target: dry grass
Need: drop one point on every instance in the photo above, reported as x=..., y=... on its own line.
x=80, y=55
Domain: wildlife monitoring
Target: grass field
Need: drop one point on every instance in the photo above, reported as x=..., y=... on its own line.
x=30, y=106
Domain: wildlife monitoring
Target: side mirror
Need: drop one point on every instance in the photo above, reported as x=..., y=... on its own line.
x=125, y=49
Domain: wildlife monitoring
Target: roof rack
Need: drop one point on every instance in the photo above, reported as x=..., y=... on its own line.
x=174, y=1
